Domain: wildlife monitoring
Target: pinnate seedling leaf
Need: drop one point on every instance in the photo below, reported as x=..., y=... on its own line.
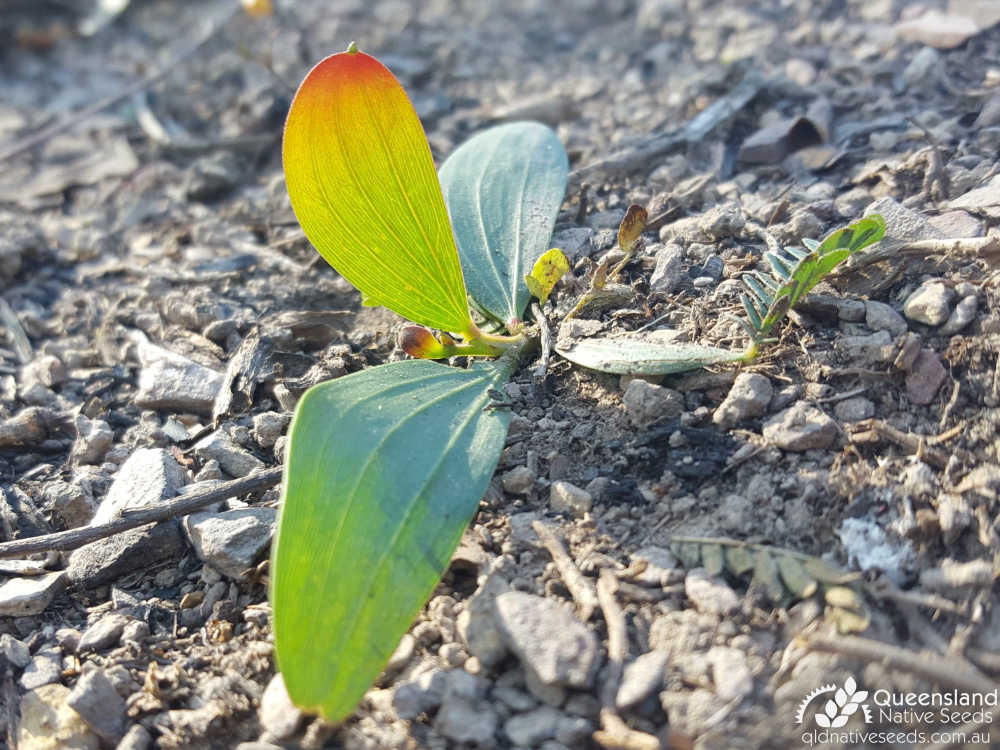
x=503, y=188
x=633, y=356
x=362, y=183
x=549, y=268
x=810, y=269
x=385, y=468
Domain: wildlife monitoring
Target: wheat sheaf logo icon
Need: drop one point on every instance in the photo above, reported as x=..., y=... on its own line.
x=845, y=703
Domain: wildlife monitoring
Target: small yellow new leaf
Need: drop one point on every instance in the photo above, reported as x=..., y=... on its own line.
x=549, y=268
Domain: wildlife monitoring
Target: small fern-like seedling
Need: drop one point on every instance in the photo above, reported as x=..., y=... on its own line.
x=794, y=273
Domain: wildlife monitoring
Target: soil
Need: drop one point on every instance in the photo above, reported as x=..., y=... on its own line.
x=162, y=220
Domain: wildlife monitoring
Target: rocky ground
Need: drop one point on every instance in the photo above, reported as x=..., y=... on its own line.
x=161, y=313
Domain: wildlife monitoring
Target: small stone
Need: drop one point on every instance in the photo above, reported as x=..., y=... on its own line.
x=925, y=69
x=518, y=481
x=963, y=314
x=646, y=402
x=930, y=304
x=46, y=369
x=574, y=242
x=955, y=515
x=548, y=639
x=801, y=427
x=881, y=317
x=937, y=29
x=234, y=460
x=460, y=685
x=641, y=677
x=44, y=669
x=800, y=71
x=902, y=223
x=70, y=503
x=660, y=563
x=669, y=271
x=98, y=703
x=105, y=560
x=21, y=597
x=405, y=649
x=731, y=673
x=212, y=176
x=268, y=427
x=174, y=383
x=148, y=477
x=68, y=639
x=514, y=699
x=452, y=655
x=104, y=633
x=873, y=349
x=925, y=377
x=550, y=695
x=568, y=498
x=748, y=398
x=93, y=440
x=909, y=349
x=708, y=594
x=231, y=541
x=850, y=310
x=136, y=738
x=16, y=652
x=278, y=715
x=463, y=721
x=572, y=731
x=854, y=409
x=477, y=626
x=531, y=728
x=49, y=723
x=210, y=472
x=412, y=698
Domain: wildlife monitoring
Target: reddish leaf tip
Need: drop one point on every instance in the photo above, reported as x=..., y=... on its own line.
x=418, y=342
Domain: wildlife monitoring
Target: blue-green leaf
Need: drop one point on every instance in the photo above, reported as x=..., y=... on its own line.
x=632, y=356
x=503, y=189
x=385, y=469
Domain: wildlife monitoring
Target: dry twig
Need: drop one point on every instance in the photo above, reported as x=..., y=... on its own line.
x=873, y=430
x=615, y=734
x=546, y=341
x=180, y=506
x=579, y=586
x=951, y=671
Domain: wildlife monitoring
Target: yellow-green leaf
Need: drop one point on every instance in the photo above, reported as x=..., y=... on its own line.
x=362, y=183
x=549, y=268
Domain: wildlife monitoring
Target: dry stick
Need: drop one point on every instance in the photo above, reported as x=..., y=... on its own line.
x=208, y=30
x=615, y=733
x=694, y=131
x=546, y=340
x=987, y=247
x=951, y=670
x=869, y=430
x=579, y=586
x=130, y=519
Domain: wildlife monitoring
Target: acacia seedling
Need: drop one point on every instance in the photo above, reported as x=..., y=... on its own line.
x=766, y=302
